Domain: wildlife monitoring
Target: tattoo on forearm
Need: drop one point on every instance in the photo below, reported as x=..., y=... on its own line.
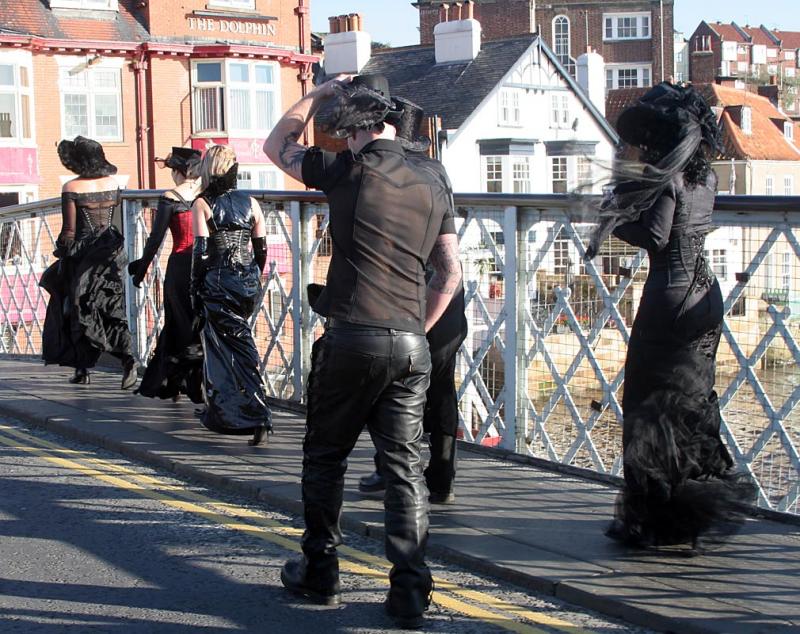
x=291, y=154
x=447, y=269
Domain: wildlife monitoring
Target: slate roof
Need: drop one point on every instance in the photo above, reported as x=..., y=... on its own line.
x=758, y=36
x=766, y=142
x=453, y=91
x=34, y=17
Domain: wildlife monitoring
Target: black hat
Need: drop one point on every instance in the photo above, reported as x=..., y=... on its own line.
x=181, y=159
x=361, y=104
x=407, y=119
x=85, y=157
x=663, y=117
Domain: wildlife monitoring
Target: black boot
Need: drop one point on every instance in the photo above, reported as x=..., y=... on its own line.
x=407, y=607
x=129, y=375
x=81, y=377
x=373, y=483
x=320, y=585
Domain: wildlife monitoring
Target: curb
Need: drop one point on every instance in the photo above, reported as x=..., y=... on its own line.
x=564, y=590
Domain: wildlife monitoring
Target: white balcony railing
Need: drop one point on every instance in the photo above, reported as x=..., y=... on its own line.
x=541, y=371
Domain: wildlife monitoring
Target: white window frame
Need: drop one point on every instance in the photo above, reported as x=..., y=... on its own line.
x=225, y=86
x=788, y=185
x=584, y=173
x=18, y=60
x=718, y=259
x=261, y=172
x=642, y=25
x=88, y=65
x=561, y=43
x=644, y=75
x=769, y=186
x=559, y=166
x=492, y=165
x=560, y=110
x=520, y=174
x=788, y=130
x=786, y=272
x=99, y=5
x=509, y=113
x=247, y=5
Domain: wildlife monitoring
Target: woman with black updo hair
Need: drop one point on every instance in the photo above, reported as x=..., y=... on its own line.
x=680, y=484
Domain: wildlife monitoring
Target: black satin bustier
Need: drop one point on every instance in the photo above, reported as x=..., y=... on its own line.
x=673, y=231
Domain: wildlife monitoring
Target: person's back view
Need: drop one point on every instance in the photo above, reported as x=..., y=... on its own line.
x=372, y=365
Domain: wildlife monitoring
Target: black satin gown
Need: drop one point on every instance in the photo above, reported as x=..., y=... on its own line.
x=680, y=484
x=86, y=312
x=236, y=398
x=177, y=363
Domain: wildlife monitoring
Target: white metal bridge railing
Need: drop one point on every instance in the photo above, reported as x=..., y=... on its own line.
x=541, y=370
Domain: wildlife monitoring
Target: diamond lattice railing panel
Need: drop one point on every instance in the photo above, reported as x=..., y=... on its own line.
x=27, y=243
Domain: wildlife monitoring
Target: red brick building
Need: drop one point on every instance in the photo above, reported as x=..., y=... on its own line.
x=142, y=76
x=633, y=36
x=736, y=56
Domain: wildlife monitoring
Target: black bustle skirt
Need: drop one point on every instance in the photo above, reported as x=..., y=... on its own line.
x=680, y=484
x=86, y=311
x=177, y=363
x=235, y=395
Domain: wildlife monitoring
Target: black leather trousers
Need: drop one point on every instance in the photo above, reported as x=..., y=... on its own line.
x=375, y=377
x=440, y=419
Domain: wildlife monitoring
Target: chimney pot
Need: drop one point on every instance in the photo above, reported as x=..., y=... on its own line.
x=444, y=12
x=342, y=24
x=333, y=24
x=356, y=22
x=469, y=8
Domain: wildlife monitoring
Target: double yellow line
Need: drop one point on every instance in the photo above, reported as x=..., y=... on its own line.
x=470, y=603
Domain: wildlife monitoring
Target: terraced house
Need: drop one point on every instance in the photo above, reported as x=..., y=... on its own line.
x=143, y=76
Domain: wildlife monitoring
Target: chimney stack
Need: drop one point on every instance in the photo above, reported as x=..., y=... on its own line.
x=590, y=74
x=457, y=40
x=347, y=47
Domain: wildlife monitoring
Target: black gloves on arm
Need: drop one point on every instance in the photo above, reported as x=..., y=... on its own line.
x=260, y=252
x=199, y=256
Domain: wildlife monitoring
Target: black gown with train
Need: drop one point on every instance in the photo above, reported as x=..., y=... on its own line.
x=235, y=395
x=679, y=478
x=86, y=312
x=177, y=363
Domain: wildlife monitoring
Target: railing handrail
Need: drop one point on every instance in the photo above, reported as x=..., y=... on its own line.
x=722, y=203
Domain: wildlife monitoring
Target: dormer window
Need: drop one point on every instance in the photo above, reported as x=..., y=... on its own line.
x=103, y=5
x=788, y=130
x=747, y=120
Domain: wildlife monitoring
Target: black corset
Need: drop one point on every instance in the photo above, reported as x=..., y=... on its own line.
x=230, y=247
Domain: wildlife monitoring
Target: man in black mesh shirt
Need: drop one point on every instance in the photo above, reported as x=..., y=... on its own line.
x=372, y=365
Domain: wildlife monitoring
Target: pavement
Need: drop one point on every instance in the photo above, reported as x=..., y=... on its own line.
x=539, y=528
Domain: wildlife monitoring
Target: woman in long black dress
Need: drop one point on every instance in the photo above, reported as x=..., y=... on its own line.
x=226, y=289
x=177, y=363
x=86, y=312
x=680, y=483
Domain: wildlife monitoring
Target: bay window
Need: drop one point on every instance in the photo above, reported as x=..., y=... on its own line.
x=16, y=98
x=258, y=177
x=234, y=96
x=91, y=99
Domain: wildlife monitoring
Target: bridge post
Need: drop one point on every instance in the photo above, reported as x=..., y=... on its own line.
x=299, y=276
x=134, y=297
x=510, y=277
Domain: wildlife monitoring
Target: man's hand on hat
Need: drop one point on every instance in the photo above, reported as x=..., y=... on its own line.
x=332, y=86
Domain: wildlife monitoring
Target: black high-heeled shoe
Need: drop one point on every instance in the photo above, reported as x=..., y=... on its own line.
x=81, y=377
x=129, y=375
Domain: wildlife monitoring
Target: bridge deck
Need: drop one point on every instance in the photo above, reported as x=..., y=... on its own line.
x=538, y=528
